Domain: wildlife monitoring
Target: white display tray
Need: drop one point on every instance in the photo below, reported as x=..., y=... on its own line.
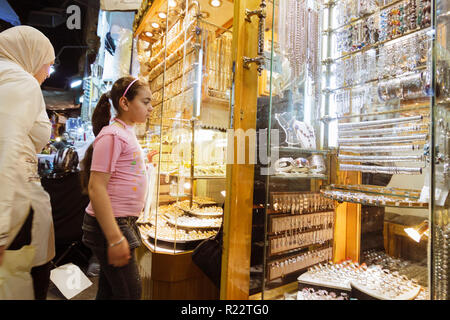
x=410, y=295
x=173, y=222
x=209, y=214
x=308, y=279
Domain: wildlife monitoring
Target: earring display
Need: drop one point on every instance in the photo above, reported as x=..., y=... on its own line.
x=295, y=240
x=301, y=222
x=359, y=28
x=300, y=225
x=282, y=267
x=299, y=202
x=408, y=56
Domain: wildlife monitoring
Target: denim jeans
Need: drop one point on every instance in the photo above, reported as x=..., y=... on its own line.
x=114, y=283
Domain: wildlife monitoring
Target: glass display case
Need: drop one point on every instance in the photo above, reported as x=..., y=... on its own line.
x=185, y=56
x=344, y=105
x=440, y=204
x=292, y=223
x=354, y=97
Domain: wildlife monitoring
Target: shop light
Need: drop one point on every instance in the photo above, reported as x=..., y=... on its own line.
x=58, y=139
x=162, y=15
x=215, y=3
x=198, y=90
x=149, y=34
x=187, y=185
x=416, y=233
x=76, y=83
x=223, y=193
x=172, y=3
x=155, y=25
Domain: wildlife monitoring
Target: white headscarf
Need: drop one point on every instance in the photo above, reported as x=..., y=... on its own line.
x=27, y=47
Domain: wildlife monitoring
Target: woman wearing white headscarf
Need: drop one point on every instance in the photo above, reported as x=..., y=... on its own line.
x=26, y=55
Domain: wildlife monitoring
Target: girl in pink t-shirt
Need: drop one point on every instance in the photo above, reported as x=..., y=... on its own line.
x=115, y=177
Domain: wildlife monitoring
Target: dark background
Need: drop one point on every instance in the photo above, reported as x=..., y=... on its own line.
x=49, y=16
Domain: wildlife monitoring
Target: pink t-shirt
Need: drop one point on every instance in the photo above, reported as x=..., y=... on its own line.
x=117, y=151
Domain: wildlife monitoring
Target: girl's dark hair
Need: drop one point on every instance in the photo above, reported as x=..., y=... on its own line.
x=102, y=116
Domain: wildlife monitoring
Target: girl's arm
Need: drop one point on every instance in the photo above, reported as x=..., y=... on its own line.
x=119, y=254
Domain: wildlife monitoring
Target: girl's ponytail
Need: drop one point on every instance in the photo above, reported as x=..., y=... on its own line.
x=100, y=119
x=101, y=115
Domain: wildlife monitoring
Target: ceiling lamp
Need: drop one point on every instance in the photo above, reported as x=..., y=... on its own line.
x=149, y=34
x=162, y=15
x=215, y=3
x=172, y=3
x=155, y=25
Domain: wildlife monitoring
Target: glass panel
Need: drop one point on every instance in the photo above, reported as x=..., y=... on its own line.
x=188, y=66
x=378, y=74
x=292, y=222
x=441, y=157
x=356, y=75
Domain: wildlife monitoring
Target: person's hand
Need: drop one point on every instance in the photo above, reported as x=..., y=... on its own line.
x=119, y=255
x=151, y=154
x=2, y=253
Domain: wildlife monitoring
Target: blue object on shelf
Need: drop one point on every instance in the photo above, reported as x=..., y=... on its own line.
x=8, y=14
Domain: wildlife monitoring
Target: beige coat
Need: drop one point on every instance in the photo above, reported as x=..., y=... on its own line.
x=24, y=131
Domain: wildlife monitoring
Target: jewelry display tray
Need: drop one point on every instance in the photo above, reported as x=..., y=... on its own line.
x=306, y=280
x=202, y=215
x=179, y=244
x=190, y=227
